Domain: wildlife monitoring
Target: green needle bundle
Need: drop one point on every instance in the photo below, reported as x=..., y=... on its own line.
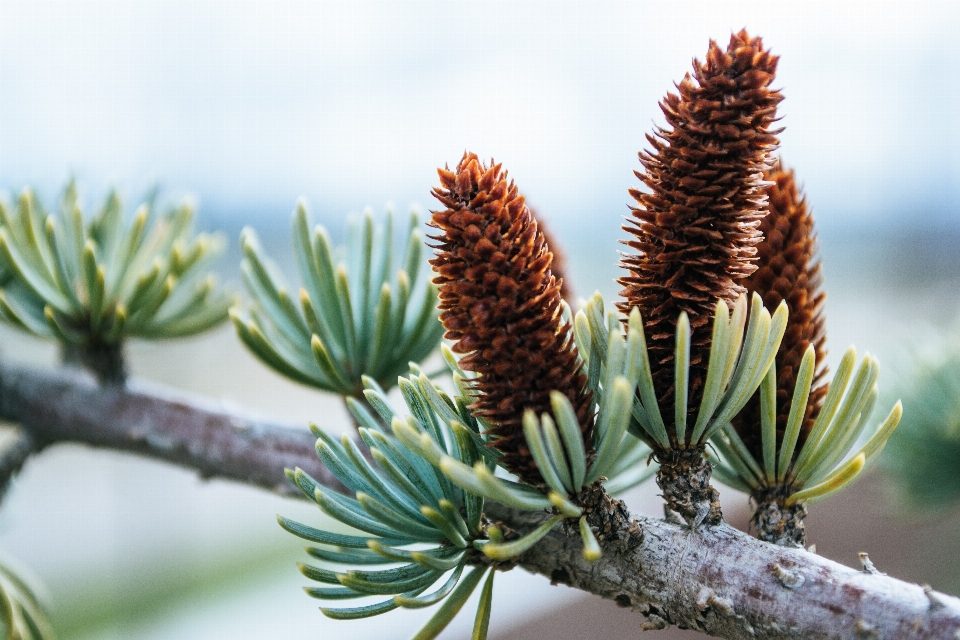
x=92, y=283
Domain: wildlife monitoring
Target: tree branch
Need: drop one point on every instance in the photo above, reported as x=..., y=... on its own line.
x=69, y=406
x=13, y=455
x=717, y=580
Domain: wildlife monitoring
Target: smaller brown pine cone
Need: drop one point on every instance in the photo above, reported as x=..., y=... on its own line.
x=788, y=269
x=500, y=304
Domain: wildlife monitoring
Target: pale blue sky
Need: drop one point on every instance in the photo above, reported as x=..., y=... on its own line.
x=251, y=104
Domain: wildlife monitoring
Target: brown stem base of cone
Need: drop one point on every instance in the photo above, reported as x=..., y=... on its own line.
x=608, y=518
x=103, y=360
x=684, y=478
x=775, y=521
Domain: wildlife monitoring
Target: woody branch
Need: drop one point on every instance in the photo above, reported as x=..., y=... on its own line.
x=716, y=580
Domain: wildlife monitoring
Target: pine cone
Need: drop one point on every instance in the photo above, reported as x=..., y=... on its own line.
x=500, y=303
x=787, y=270
x=695, y=232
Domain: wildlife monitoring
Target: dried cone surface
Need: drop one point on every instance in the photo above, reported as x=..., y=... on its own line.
x=695, y=231
x=788, y=270
x=500, y=303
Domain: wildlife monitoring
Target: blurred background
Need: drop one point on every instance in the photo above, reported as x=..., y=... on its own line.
x=247, y=105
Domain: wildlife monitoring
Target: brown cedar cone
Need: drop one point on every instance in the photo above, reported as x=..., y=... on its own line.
x=501, y=304
x=559, y=265
x=788, y=270
x=695, y=232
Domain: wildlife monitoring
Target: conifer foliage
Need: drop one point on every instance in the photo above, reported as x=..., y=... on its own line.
x=91, y=283
x=795, y=441
x=362, y=309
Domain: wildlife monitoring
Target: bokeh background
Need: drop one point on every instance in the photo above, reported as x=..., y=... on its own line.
x=245, y=106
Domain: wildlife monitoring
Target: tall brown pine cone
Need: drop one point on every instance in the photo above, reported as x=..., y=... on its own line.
x=695, y=231
x=788, y=270
x=500, y=303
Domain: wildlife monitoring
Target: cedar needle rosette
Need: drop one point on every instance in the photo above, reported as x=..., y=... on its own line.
x=361, y=309
x=416, y=534
x=90, y=284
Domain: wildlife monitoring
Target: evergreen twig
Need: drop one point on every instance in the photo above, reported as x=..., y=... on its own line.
x=91, y=284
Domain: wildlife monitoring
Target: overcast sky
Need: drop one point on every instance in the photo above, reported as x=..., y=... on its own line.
x=251, y=104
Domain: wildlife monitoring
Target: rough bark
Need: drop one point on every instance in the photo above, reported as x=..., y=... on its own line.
x=714, y=579
x=684, y=478
x=69, y=406
x=723, y=582
x=776, y=521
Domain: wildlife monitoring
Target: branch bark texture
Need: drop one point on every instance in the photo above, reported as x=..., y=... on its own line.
x=69, y=406
x=713, y=579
